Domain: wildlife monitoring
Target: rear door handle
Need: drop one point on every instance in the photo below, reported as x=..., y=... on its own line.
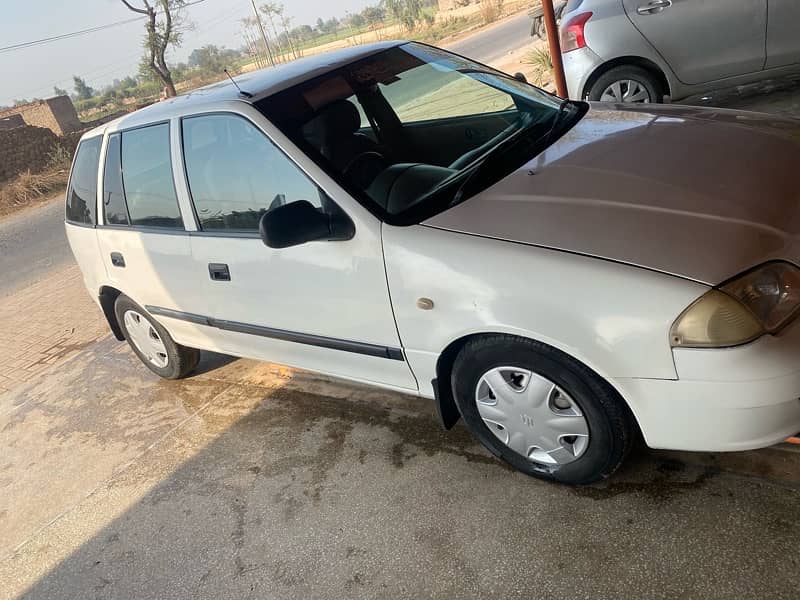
x=219, y=272
x=654, y=7
x=117, y=260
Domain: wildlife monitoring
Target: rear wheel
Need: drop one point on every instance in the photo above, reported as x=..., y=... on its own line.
x=626, y=84
x=151, y=342
x=541, y=411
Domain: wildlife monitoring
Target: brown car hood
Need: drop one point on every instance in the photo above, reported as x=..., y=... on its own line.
x=695, y=192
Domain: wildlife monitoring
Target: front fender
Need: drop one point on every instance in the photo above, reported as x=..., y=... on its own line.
x=612, y=317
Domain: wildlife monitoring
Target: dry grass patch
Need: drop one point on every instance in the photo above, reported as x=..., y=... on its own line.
x=27, y=189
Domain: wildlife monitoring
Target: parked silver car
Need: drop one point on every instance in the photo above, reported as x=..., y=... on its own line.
x=644, y=50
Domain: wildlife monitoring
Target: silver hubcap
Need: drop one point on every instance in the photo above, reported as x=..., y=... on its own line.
x=625, y=90
x=531, y=415
x=146, y=338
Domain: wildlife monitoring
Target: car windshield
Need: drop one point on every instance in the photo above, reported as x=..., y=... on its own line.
x=412, y=130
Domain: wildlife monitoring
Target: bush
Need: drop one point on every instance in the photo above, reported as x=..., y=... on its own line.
x=27, y=188
x=540, y=59
x=59, y=158
x=491, y=10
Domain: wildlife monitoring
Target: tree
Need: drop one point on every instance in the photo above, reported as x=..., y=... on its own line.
x=408, y=12
x=57, y=91
x=357, y=20
x=163, y=28
x=373, y=15
x=273, y=11
x=211, y=59
x=82, y=89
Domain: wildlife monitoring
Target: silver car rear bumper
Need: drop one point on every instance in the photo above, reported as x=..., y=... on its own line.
x=578, y=67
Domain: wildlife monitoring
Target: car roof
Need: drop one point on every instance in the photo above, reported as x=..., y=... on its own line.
x=260, y=84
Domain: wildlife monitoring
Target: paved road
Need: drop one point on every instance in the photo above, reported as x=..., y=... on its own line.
x=31, y=244
x=495, y=42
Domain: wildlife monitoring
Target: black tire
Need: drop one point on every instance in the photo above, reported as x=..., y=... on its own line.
x=610, y=424
x=538, y=30
x=180, y=359
x=627, y=72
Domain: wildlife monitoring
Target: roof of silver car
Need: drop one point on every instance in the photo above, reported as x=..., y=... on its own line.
x=260, y=84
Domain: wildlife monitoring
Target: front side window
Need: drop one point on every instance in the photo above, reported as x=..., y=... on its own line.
x=412, y=130
x=235, y=173
x=147, y=177
x=82, y=192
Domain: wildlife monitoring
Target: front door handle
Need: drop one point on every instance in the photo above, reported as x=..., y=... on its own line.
x=117, y=260
x=654, y=7
x=219, y=272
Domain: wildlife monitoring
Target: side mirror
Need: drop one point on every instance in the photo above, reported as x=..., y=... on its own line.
x=520, y=77
x=300, y=222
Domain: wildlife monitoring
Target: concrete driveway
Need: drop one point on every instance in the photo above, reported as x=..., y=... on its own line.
x=253, y=481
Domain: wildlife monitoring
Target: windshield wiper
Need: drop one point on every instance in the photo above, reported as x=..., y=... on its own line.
x=487, y=158
x=562, y=110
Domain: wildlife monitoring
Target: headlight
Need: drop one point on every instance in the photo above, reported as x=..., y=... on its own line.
x=757, y=302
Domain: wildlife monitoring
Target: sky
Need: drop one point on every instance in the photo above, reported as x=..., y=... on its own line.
x=113, y=53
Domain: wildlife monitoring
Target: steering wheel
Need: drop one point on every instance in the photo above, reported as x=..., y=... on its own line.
x=523, y=120
x=364, y=167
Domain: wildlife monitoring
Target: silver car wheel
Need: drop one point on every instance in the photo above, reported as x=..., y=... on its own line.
x=146, y=339
x=532, y=415
x=625, y=90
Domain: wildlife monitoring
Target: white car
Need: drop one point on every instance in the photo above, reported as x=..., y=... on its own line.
x=563, y=276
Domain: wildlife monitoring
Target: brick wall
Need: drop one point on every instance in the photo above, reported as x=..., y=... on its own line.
x=56, y=114
x=26, y=148
x=11, y=122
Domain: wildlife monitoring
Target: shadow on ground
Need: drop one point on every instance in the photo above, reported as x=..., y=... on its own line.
x=283, y=485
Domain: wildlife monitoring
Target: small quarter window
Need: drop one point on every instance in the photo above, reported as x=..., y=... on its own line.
x=116, y=210
x=82, y=192
x=236, y=173
x=147, y=177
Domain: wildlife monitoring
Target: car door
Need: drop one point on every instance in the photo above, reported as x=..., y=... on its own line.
x=704, y=40
x=143, y=242
x=321, y=305
x=783, y=40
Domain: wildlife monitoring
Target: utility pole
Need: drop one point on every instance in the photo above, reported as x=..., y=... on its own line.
x=263, y=34
x=555, y=46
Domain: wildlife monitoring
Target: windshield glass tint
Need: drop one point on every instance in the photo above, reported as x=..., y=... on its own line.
x=402, y=128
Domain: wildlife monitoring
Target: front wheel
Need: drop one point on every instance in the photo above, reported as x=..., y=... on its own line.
x=541, y=411
x=152, y=343
x=626, y=84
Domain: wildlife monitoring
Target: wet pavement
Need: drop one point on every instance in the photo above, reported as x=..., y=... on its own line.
x=248, y=480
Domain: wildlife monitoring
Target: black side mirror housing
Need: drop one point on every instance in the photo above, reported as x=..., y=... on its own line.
x=300, y=222
x=520, y=77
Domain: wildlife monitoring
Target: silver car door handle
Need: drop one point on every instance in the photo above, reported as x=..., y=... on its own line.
x=656, y=6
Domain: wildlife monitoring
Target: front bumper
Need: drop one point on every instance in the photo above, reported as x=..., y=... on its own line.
x=724, y=399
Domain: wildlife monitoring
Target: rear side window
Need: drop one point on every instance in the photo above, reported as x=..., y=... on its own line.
x=82, y=192
x=116, y=210
x=147, y=177
x=236, y=174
